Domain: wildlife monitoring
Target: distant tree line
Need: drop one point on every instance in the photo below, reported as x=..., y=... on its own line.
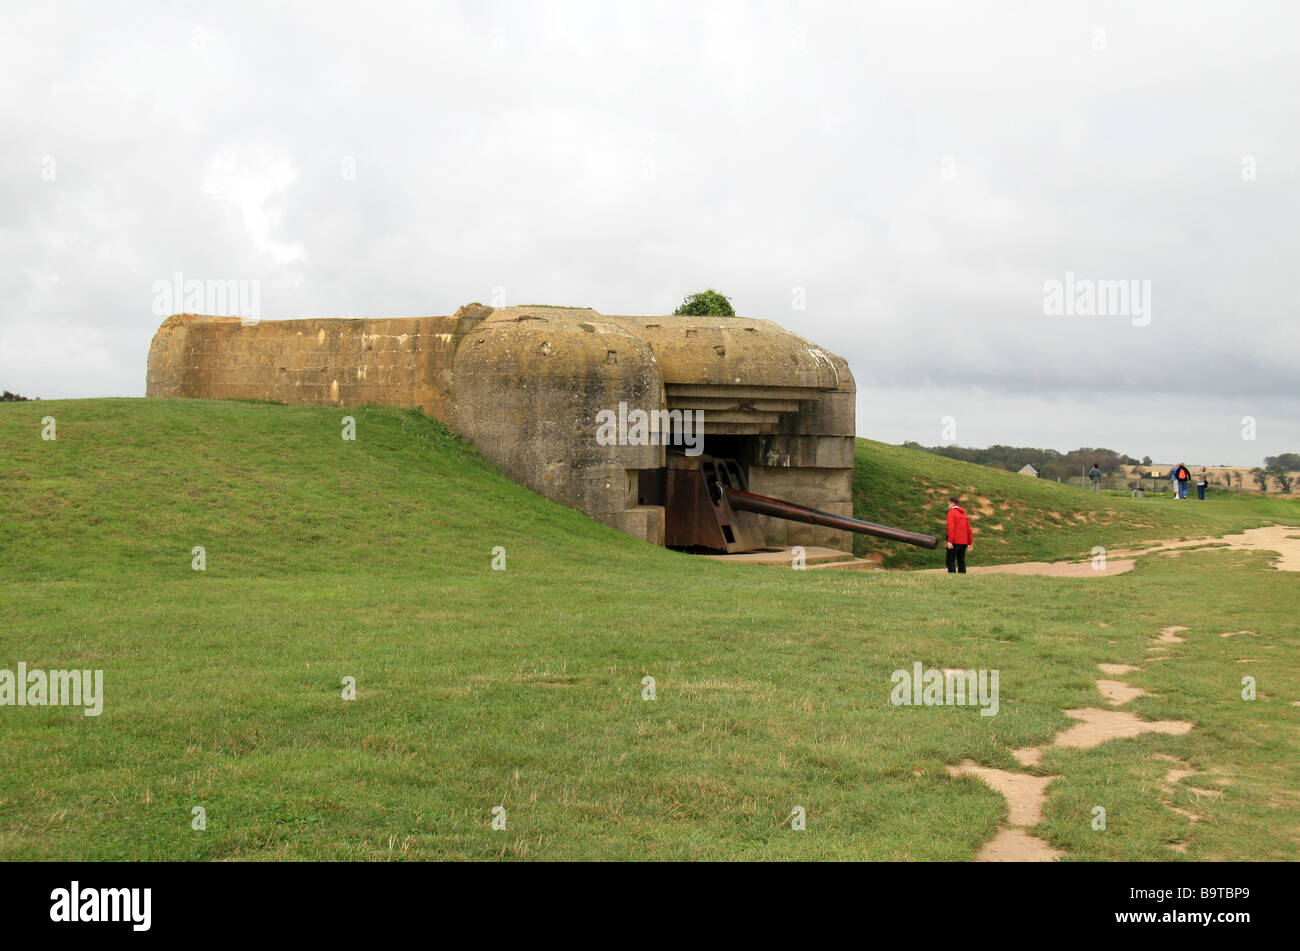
x=1050, y=463
x=8, y=397
x=1277, y=469
x=1064, y=465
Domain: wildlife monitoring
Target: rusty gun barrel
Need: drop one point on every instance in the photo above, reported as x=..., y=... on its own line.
x=776, y=508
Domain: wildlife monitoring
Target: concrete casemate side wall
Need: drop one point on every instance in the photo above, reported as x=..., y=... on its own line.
x=527, y=389
x=400, y=361
x=524, y=385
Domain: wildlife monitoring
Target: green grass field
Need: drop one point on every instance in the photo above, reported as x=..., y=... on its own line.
x=522, y=688
x=1018, y=518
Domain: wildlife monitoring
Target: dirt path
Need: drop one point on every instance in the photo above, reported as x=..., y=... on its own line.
x=1026, y=793
x=1051, y=569
x=1282, y=540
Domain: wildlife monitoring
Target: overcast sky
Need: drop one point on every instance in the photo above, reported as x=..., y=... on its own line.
x=899, y=183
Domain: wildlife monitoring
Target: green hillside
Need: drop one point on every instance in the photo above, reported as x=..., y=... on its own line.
x=523, y=688
x=1019, y=518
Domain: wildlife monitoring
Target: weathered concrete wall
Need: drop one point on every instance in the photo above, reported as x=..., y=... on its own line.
x=400, y=361
x=816, y=471
x=525, y=385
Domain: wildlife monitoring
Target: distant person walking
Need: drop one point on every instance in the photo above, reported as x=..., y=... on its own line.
x=1202, y=483
x=960, y=537
x=1181, y=476
x=1094, y=476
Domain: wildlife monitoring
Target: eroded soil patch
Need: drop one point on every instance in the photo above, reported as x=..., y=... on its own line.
x=1280, y=539
x=1118, y=693
x=1097, y=726
x=1026, y=794
x=1016, y=845
x=1050, y=569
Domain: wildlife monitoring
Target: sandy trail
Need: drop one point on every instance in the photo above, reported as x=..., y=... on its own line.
x=1117, y=670
x=1282, y=540
x=1016, y=845
x=1118, y=693
x=1098, y=726
x=1026, y=794
x=1051, y=569
x=1170, y=635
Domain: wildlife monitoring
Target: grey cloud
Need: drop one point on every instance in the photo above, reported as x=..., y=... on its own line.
x=622, y=155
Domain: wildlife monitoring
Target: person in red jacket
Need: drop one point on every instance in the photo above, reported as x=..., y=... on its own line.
x=960, y=537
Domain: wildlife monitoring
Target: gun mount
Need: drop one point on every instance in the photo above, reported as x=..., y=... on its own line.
x=708, y=507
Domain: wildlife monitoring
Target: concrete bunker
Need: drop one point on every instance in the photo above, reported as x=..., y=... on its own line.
x=535, y=389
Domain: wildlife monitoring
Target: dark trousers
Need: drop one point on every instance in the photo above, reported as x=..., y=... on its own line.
x=1200, y=491
x=957, y=559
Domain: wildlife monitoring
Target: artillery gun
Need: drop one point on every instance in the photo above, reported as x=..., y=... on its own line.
x=708, y=507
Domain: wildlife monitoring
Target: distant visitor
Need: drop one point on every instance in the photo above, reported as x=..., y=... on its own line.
x=1180, y=476
x=960, y=537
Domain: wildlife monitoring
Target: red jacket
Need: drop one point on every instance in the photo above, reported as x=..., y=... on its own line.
x=959, y=532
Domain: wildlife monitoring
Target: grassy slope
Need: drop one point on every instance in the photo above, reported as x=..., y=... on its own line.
x=522, y=688
x=1017, y=518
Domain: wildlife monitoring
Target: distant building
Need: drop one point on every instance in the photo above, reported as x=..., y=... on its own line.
x=1028, y=470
